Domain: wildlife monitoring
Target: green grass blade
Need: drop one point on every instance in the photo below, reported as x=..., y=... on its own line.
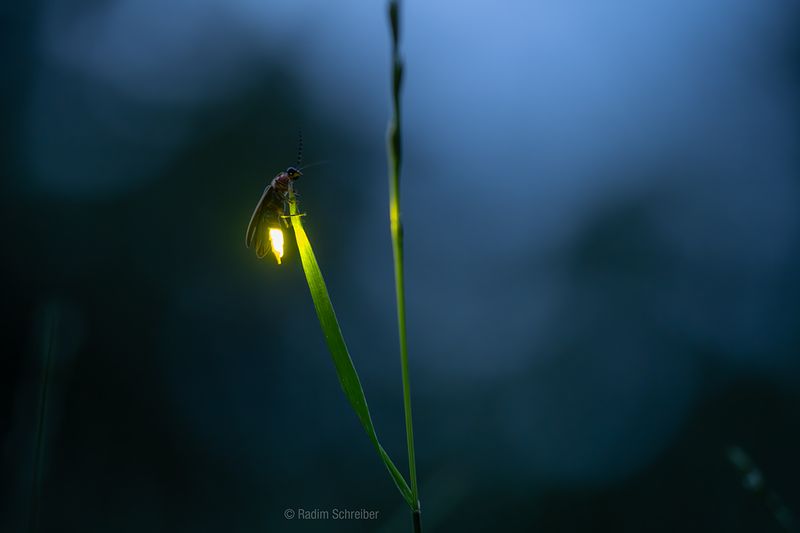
x=348, y=377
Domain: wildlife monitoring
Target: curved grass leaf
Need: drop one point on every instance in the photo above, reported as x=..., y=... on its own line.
x=348, y=377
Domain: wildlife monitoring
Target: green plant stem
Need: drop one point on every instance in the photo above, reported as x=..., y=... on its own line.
x=416, y=520
x=345, y=370
x=50, y=327
x=394, y=149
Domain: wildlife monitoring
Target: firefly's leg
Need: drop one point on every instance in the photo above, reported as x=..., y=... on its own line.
x=286, y=217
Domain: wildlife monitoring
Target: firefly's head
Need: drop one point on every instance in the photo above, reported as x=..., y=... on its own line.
x=293, y=173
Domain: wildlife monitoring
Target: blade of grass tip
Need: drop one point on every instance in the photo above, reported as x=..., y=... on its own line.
x=394, y=149
x=48, y=347
x=345, y=370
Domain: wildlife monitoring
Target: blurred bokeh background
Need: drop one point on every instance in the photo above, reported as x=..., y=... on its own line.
x=602, y=206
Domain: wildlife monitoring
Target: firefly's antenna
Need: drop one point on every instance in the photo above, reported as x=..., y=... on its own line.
x=299, y=148
x=300, y=165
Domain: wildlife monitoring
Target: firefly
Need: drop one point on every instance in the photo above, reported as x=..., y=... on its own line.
x=265, y=223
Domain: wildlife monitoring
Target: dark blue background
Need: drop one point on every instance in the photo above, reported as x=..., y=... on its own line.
x=602, y=242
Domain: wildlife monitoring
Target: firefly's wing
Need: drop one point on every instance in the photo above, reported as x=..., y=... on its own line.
x=259, y=213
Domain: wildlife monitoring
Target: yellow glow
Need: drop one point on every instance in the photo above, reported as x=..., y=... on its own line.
x=276, y=240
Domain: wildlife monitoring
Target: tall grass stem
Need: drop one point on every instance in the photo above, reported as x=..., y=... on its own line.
x=48, y=347
x=394, y=149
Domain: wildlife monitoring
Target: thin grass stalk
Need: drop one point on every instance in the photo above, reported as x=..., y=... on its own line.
x=49, y=347
x=394, y=149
